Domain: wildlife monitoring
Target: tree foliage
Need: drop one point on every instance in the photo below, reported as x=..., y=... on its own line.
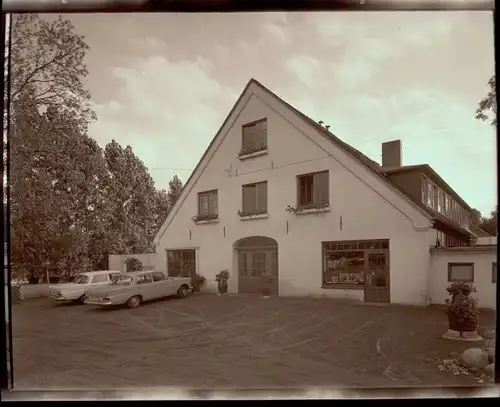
x=486, y=223
x=487, y=108
x=72, y=202
x=47, y=60
x=174, y=190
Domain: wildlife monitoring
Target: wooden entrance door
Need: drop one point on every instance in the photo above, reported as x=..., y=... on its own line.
x=257, y=269
x=377, y=288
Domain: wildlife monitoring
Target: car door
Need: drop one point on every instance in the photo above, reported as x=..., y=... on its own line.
x=163, y=285
x=145, y=286
x=100, y=279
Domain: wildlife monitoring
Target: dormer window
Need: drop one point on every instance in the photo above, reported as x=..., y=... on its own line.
x=254, y=139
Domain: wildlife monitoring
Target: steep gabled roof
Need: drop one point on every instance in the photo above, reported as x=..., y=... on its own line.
x=373, y=166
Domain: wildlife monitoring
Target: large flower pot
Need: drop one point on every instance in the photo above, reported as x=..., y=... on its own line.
x=459, y=324
x=222, y=287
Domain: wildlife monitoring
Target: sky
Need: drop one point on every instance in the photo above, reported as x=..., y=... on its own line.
x=164, y=83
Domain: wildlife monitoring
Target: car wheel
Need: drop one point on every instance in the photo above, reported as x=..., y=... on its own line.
x=134, y=302
x=81, y=300
x=183, y=291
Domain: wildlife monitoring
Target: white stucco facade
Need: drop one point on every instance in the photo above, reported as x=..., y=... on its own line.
x=362, y=206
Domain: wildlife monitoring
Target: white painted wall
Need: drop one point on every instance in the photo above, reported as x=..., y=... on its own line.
x=117, y=261
x=486, y=240
x=486, y=289
x=294, y=149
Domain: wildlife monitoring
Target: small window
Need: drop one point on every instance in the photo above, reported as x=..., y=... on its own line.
x=430, y=194
x=255, y=198
x=254, y=137
x=494, y=272
x=100, y=278
x=424, y=189
x=207, y=203
x=313, y=189
x=463, y=272
x=158, y=276
x=144, y=279
x=440, y=201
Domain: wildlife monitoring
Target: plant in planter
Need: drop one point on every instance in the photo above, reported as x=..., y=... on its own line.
x=248, y=151
x=242, y=214
x=197, y=282
x=222, y=277
x=463, y=313
x=298, y=209
x=205, y=218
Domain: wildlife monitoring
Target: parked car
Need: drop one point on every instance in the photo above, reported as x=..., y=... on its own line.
x=77, y=289
x=134, y=288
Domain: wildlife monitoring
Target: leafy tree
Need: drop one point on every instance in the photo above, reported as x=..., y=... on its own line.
x=174, y=190
x=476, y=217
x=487, y=108
x=49, y=147
x=488, y=224
x=134, y=200
x=47, y=61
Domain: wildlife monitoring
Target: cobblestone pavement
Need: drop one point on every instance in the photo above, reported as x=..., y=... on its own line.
x=231, y=342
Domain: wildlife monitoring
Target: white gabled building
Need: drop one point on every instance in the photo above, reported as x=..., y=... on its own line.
x=282, y=203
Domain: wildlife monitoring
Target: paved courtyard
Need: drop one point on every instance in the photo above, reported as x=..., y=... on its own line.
x=231, y=342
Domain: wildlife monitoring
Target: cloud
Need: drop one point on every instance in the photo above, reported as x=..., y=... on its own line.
x=168, y=112
x=304, y=67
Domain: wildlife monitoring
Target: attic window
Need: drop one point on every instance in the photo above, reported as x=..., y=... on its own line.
x=254, y=137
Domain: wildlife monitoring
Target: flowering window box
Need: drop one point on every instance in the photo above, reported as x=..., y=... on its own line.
x=204, y=219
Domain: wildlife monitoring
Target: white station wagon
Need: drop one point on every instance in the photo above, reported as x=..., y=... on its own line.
x=137, y=287
x=77, y=289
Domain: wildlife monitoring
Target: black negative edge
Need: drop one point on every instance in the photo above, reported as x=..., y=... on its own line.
x=7, y=357
x=222, y=6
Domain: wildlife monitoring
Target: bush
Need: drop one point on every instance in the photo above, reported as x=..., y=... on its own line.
x=463, y=313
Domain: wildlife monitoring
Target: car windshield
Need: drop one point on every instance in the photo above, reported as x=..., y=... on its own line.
x=121, y=280
x=81, y=279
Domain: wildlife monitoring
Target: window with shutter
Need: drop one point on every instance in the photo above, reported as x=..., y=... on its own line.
x=255, y=198
x=254, y=137
x=207, y=203
x=313, y=189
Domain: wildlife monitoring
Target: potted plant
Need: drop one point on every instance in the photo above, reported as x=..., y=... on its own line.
x=463, y=313
x=197, y=281
x=222, y=277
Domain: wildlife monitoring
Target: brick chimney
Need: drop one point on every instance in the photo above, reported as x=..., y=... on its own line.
x=391, y=154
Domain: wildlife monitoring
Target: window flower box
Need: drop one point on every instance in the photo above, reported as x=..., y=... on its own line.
x=203, y=219
x=306, y=209
x=252, y=152
x=253, y=215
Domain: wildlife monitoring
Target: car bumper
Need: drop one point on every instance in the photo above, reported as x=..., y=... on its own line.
x=58, y=297
x=98, y=302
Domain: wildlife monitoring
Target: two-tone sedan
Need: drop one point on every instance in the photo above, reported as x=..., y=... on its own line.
x=77, y=289
x=137, y=287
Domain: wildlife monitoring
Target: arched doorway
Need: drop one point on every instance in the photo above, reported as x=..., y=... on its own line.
x=257, y=258
x=133, y=264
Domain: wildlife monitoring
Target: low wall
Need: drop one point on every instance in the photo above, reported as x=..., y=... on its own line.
x=34, y=291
